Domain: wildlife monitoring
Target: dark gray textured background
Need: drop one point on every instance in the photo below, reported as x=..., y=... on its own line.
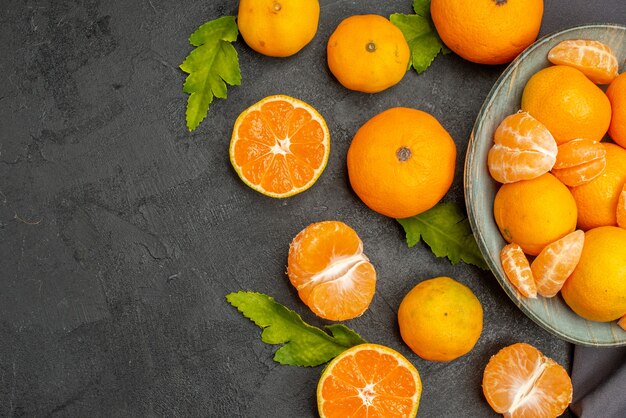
x=120, y=232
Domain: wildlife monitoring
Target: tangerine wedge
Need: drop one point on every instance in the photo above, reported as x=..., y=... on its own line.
x=280, y=146
x=327, y=266
x=517, y=270
x=621, y=208
x=622, y=322
x=369, y=380
x=556, y=262
x=520, y=382
x=592, y=58
x=579, y=161
x=523, y=149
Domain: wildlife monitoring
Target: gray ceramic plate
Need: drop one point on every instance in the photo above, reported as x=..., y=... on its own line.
x=480, y=189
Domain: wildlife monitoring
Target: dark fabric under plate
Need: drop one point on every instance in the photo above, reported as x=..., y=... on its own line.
x=599, y=379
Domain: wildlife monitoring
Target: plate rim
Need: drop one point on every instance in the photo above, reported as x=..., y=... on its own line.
x=468, y=183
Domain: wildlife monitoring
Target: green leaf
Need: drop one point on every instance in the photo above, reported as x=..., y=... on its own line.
x=421, y=35
x=212, y=65
x=422, y=7
x=304, y=345
x=447, y=231
x=345, y=335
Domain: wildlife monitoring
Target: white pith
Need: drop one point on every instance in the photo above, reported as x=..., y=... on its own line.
x=281, y=147
x=367, y=394
x=522, y=394
x=340, y=268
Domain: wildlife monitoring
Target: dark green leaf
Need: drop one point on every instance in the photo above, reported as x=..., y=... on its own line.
x=422, y=7
x=447, y=231
x=304, y=345
x=211, y=66
x=421, y=35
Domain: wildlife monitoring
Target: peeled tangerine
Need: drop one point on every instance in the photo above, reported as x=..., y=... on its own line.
x=523, y=149
x=333, y=277
x=579, y=161
x=556, y=262
x=517, y=270
x=520, y=382
x=594, y=59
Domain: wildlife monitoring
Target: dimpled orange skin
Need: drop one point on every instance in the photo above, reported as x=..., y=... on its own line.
x=278, y=28
x=534, y=213
x=401, y=162
x=440, y=319
x=487, y=31
x=597, y=200
x=567, y=103
x=368, y=53
x=596, y=290
x=616, y=92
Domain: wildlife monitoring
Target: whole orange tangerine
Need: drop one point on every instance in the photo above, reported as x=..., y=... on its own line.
x=617, y=96
x=278, y=28
x=596, y=290
x=567, y=103
x=534, y=213
x=440, y=319
x=487, y=31
x=401, y=162
x=597, y=199
x=368, y=53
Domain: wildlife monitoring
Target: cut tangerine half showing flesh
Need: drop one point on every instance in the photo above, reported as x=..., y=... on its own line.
x=517, y=270
x=579, y=161
x=592, y=58
x=621, y=208
x=523, y=149
x=280, y=146
x=327, y=266
x=369, y=380
x=556, y=262
x=520, y=382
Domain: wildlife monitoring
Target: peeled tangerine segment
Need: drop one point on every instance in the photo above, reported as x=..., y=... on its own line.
x=622, y=322
x=621, y=208
x=348, y=295
x=579, y=161
x=517, y=270
x=592, y=58
x=327, y=266
x=556, y=262
x=520, y=382
x=523, y=149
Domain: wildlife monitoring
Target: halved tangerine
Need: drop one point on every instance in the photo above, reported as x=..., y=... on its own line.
x=579, y=161
x=523, y=149
x=333, y=277
x=556, y=262
x=520, y=382
x=369, y=380
x=517, y=269
x=280, y=146
x=592, y=58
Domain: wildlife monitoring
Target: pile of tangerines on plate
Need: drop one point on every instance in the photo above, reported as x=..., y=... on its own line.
x=558, y=176
x=401, y=163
